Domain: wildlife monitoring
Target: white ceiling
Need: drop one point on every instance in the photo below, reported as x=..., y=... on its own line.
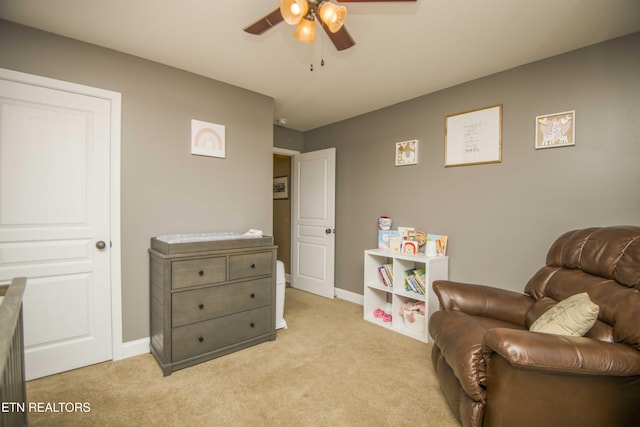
x=402, y=51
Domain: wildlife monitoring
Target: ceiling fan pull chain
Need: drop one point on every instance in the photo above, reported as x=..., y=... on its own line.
x=322, y=34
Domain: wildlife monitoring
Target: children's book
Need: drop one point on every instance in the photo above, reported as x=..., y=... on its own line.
x=415, y=280
x=441, y=243
x=385, y=275
x=389, y=240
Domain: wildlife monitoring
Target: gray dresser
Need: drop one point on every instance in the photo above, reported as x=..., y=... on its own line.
x=210, y=298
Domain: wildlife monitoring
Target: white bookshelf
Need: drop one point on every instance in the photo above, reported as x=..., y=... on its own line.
x=391, y=299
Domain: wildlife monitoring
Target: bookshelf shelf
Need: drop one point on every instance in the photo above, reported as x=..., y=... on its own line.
x=391, y=299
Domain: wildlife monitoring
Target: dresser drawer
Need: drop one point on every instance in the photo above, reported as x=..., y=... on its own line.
x=250, y=265
x=216, y=301
x=215, y=334
x=198, y=272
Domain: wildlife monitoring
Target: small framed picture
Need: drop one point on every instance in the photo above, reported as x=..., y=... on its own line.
x=207, y=139
x=407, y=153
x=556, y=130
x=281, y=187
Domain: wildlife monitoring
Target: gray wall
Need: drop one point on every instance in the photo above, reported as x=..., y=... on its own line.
x=288, y=138
x=500, y=218
x=164, y=188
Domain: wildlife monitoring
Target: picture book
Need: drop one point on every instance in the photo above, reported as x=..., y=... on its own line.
x=414, y=280
x=440, y=241
x=389, y=240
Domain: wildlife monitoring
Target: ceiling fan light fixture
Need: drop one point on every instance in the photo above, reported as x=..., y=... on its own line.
x=306, y=30
x=293, y=10
x=332, y=15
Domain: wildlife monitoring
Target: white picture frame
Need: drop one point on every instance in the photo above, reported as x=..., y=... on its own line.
x=407, y=153
x=473, y=137
x=207, y=139
x=556, y=130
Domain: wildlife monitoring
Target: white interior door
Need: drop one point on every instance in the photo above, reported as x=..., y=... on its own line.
x=314, y=187
x=54, y=211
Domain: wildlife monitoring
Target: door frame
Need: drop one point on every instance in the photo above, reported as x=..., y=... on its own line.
x=329, y=228
x=115, y=99
x=289, y=153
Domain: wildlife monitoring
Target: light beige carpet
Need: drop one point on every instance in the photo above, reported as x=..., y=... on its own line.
x=329, y=368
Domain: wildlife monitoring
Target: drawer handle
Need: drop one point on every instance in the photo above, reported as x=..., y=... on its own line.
x=253, y=266
x=253, y=295
x=200, y=339
x=200, y=306
x=252, y=324
x=201, y=273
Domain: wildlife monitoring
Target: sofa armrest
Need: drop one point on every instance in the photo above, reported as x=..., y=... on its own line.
x=558, y=353
x=485, y=301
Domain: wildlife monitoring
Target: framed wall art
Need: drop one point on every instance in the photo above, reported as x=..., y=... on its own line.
x=281, y=187
x=407, y=153
x=207, y=139
x=556, y=130
x=473, y=137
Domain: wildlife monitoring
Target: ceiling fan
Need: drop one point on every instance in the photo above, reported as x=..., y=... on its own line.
x=304, y=13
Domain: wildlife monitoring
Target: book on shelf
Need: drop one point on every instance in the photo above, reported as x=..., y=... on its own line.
x=410, y=247
x=414, y=280
x=441, y=243
x=386, y=275
x=389, y=240
x=405, y=232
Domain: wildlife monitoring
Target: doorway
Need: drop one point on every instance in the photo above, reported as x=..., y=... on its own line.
x=304, y=218
x=282, y=210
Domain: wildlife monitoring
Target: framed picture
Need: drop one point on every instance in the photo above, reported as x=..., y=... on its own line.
x=207, y=139
x=281, y=187
x=407, y=153
x=556, y=130
x=473, y=137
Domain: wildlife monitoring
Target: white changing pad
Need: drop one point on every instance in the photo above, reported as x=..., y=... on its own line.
x=209, y=237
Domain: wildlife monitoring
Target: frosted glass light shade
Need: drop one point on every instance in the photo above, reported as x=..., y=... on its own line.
x=293, y=10
x=333, y=15
x=305, y=31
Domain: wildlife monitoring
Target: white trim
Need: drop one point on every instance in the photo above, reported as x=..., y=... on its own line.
x=290, y=153
x=117, y=347
x=349, y=296
x=135, y=348
x=116, y=237
x=285, y=151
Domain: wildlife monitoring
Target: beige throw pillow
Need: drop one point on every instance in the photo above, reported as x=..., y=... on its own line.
x=573, y=316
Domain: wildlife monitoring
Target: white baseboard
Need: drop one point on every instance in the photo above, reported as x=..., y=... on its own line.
x=133, y=348
x=349, y=296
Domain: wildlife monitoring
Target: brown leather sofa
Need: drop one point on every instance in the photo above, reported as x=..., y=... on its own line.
x=493, y=371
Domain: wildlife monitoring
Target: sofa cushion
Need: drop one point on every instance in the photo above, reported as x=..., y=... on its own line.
x=459, y=337
x=573, y=316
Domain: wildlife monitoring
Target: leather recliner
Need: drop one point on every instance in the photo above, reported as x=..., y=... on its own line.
x=493, y=371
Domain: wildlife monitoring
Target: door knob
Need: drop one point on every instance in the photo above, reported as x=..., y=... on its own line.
x=100, y=244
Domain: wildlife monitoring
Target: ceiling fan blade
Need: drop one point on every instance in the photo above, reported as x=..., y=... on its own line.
x=341, y=39
x=262, y=25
